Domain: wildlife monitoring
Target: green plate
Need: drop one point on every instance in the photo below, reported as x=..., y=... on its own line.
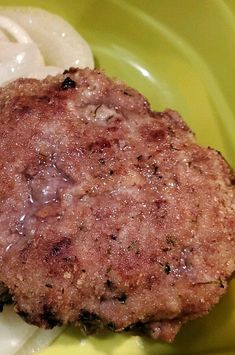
x=181, y=55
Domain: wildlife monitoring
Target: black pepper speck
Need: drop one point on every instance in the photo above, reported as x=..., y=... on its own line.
x=167, y=268
x=68, y=83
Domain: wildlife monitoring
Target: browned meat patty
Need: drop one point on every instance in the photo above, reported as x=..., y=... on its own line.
x=111, y=215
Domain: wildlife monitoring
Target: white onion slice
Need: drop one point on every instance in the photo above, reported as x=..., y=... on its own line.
x=14, y=332
x=60, y=44
x=39, y=340
x=14, y=30
x=3, y=36
x=16, y=60
x=18, y=337
x=42, y=72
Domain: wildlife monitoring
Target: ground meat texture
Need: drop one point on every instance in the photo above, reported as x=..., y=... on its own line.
x=111, y=216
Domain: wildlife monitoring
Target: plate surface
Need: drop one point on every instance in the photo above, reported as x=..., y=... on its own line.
x=179, y=54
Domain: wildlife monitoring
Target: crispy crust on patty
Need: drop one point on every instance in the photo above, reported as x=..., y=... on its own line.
x=111, y=215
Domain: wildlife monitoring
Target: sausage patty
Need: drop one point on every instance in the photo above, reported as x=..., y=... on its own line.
x=110, y=214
